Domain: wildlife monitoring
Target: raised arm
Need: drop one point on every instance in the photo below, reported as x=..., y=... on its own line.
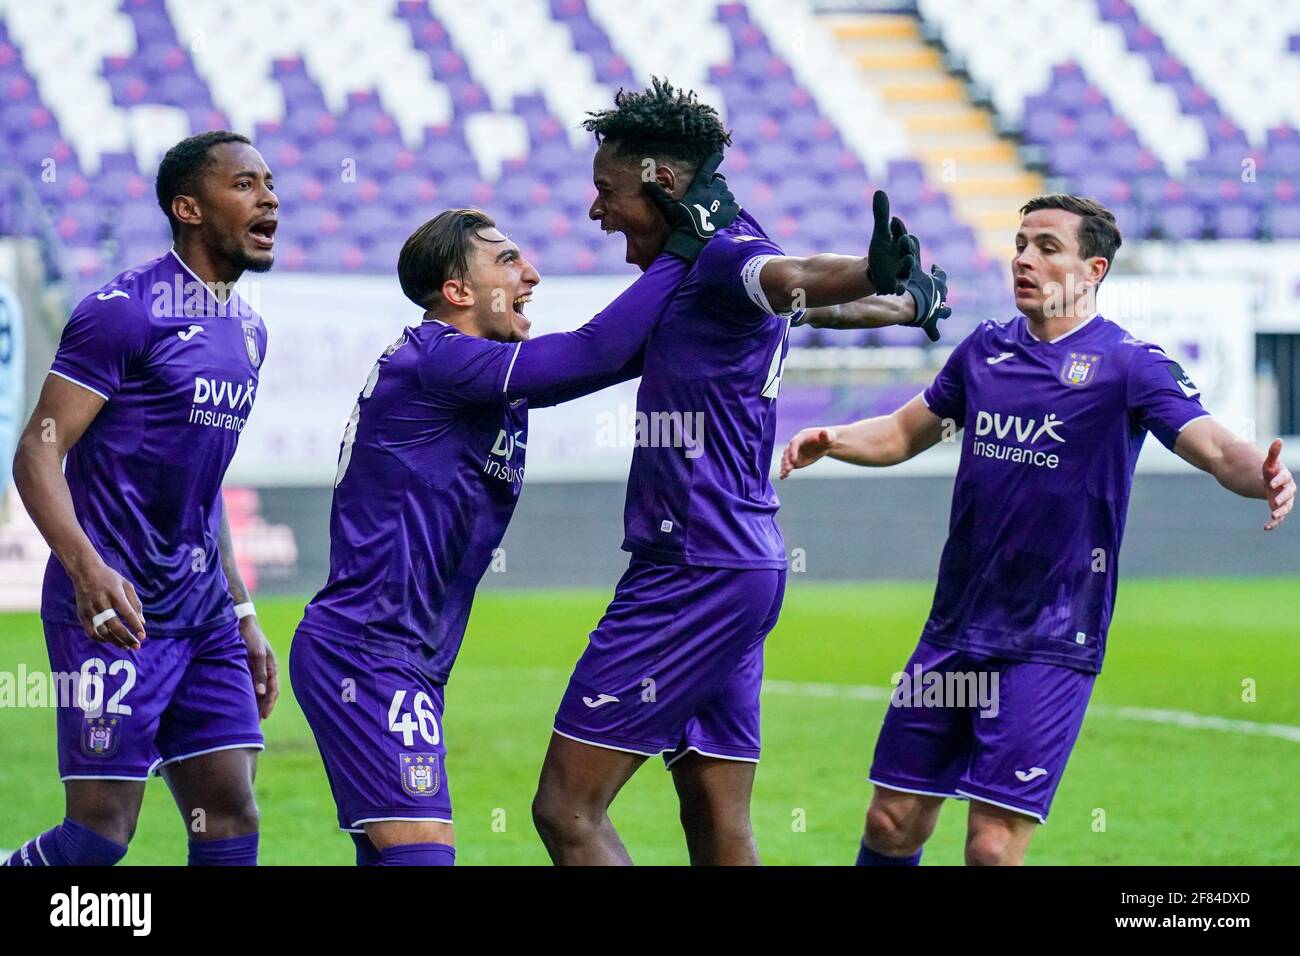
x=63, y=413
x=874, y=442
x=1239, y=465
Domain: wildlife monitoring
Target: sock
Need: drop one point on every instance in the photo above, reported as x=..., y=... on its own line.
x=367, y=855
x=236, y=851
x=68, y=844
x=418, y=854
x=869, y=857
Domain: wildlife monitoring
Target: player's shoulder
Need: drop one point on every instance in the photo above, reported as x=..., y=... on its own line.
x=124, y=299
x=1131, y=349
x=733, y=244
x=991, y=333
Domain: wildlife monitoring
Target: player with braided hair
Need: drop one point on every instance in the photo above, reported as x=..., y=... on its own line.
x=675, y=666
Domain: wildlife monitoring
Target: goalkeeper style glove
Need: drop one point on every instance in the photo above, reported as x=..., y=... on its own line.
x=707, y=206
x=890, y=259
x=928, y=289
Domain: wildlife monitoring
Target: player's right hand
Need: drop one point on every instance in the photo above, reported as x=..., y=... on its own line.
x=889, y=256
x=102, y=588
x=810, y=445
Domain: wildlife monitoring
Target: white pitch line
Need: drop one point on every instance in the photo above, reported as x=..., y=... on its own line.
x=1174, y=718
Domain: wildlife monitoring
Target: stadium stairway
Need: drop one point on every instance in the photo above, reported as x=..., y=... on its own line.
x=960, y=150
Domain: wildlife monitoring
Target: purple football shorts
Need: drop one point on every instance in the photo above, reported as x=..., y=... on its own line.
x=676, y=663
x=1000, y=731
x=378, y=724
x=127, y=713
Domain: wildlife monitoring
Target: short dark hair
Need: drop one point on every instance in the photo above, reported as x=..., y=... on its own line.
x=183, y=166
x=661, y=122
x=438, y=251
x=1098, y=233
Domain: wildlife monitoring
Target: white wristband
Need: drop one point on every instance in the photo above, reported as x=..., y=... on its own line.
x=244, y=610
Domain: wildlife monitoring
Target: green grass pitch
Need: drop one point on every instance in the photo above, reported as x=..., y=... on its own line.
x=1167, y=794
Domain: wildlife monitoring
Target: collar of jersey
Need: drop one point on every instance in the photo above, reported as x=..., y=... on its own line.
x=211, y=295
x=1086, y=323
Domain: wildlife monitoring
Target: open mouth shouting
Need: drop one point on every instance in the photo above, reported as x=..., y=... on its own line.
x=263, y=232
x=518, y=306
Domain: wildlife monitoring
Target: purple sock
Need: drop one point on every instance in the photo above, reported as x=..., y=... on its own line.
x=367, y=855
x=68, y=844
x=418, y=854
x=236, y=851
x=869, y=857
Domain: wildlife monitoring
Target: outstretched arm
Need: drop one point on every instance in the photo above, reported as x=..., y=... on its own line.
x=874, y=442
x=564, y=365
x=1239, y=465
x=872, y=312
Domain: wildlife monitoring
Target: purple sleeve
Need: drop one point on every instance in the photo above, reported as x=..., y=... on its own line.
x=595, y=355
x=728, y=269
x=1161, y=396
x=102, y=340
x=568, y=393
x=946, y=396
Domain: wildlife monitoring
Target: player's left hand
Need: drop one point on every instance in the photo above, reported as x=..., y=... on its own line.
x=262, y=665
x=889, y=256
x=706, y=207
x=929, y=290
x=1281, y=486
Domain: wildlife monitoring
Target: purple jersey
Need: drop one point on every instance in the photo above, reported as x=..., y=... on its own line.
x=432, y=464
x=1052, y=435
x=699, y=491
x=178, y=371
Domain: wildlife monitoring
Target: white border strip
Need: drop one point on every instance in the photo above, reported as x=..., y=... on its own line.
x=924, y=793
x=360, y=829
x=705, y=753
x=505, y=387
x=626, y=750
x=69, y=378
x=1033, y=814
x=211, y=750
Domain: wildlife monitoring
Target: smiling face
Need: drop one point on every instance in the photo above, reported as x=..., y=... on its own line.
x=1050, y=274
x=621, y=205
x=236, y=210
x=497, y=288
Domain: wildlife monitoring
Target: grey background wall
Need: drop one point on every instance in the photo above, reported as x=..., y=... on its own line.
x=568, y=535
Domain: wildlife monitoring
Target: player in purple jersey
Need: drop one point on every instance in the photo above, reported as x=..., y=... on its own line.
x=1055, y=404
x=430, y=469
x=675, y=665
x=143, y=607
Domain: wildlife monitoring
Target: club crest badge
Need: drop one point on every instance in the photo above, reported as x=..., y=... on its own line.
x=250, y=345
x=1080, y=368
x=101, y=736
x=421, y=774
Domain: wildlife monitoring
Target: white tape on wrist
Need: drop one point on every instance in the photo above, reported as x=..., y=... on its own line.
x=244, y=610
x=102, y=617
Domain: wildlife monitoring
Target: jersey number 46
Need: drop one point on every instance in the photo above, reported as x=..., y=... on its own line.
x=424, y=720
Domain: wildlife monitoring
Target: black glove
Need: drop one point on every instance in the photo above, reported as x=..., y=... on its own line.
x=928, y=289
x=706, y=207
x=889, y=257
